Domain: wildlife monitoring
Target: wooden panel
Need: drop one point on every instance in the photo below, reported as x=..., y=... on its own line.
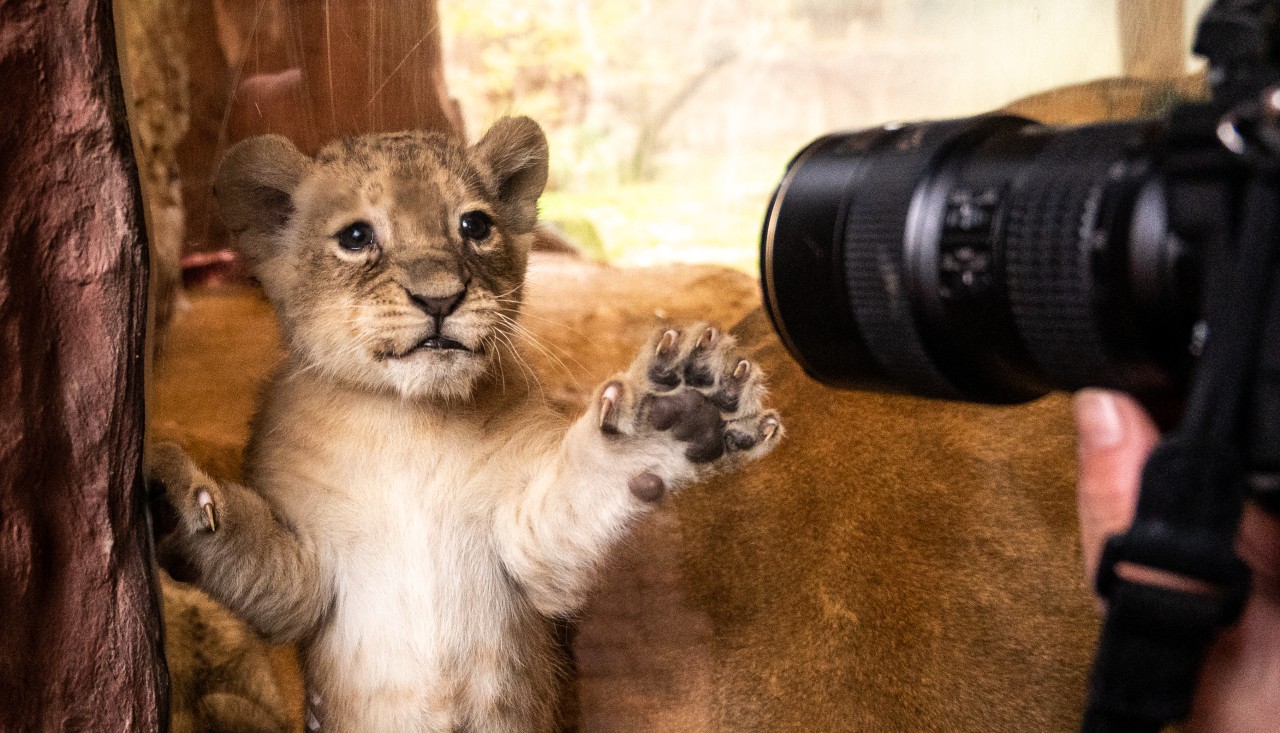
x=80, y=636
x=1151, y=39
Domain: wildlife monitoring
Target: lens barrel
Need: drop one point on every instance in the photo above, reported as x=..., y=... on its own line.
x=989, y=259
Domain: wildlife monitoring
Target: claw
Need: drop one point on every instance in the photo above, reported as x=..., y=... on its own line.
x=606, y=405
x=707, y=338
x=607, y=400
x=770, y=428
x=667, y=343
x=741, y=371
x=206, y=504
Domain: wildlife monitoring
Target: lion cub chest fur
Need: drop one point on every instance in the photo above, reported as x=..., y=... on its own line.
x=395, y=429
x=399, y=507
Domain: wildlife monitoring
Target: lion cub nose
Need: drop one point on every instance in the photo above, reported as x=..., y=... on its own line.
x=438, y=307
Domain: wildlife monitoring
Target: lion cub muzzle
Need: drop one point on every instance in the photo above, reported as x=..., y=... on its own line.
x=438, y=308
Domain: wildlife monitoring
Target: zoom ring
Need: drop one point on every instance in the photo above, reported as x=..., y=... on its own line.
x=875, y=260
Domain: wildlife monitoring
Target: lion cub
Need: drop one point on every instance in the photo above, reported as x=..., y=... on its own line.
x=413, y=515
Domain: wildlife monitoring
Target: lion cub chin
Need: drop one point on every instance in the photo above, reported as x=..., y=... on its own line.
x=411, y=517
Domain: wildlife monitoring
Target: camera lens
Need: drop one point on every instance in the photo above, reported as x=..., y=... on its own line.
x=989, y=259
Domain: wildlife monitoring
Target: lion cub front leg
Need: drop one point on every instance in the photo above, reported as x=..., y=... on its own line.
x=689, y=406
x=226, y=539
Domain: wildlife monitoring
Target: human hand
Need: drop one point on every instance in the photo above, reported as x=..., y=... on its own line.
x=1239, y=688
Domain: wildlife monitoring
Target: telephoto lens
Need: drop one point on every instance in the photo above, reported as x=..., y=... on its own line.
x=989, y=259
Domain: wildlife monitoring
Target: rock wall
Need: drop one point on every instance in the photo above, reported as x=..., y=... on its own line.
x=80, y=637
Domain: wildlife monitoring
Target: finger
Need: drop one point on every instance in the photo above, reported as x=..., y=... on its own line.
x=1237, y=690
x=1258, y=543
x=1114, y=437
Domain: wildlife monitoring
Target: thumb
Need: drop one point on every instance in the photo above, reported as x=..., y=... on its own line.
x=1114, y=437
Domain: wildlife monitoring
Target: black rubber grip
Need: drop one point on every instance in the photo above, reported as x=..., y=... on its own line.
x=875, y=259
x=1052, y=233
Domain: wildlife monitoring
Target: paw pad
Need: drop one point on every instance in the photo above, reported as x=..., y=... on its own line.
x=647, y=487
x=692, y=418
x=690, y=386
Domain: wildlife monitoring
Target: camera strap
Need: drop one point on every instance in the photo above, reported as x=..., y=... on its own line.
x=1171, y=585
x=1173, y=580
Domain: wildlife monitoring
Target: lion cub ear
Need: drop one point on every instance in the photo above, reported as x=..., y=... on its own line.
x=254, y=188
x=514, y=152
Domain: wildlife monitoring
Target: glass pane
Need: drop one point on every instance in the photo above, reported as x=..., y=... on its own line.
x=670, y=123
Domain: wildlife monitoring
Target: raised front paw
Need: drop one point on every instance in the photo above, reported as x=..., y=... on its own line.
x=185, y=501
x=690, y=391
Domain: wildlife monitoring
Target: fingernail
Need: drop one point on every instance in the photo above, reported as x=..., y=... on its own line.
x=1098, y=421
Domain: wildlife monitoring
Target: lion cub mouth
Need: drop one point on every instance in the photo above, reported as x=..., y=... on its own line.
x=439, y=343
x=434, y=344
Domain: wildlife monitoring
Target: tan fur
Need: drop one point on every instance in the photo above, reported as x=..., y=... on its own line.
x=414, y=518
x=903, y=564
x=221, y=672
x=899, y=564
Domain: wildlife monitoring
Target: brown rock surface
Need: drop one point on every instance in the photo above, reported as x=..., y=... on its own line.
x=80, y=636
x=1108, y=99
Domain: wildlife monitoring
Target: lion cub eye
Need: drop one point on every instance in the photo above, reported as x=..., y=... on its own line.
x=356, y=237
x=475, y=225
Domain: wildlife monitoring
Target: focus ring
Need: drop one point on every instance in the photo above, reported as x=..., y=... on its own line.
x=1051, y=226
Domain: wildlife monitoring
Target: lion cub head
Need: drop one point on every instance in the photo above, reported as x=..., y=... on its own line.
x=394, y=261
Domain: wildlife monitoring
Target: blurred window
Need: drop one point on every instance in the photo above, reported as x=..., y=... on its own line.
x=670, y=120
